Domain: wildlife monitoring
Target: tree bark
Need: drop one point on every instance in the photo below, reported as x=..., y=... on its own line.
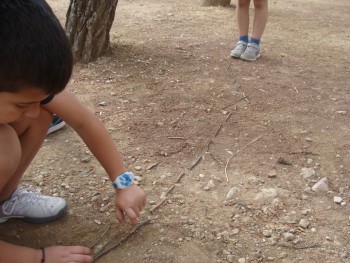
x=88, y=25
x=216, y=2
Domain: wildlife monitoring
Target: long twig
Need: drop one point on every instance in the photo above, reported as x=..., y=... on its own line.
x=108, y=249
x=249, y=143
x=154, y=208
x=195, y=163
x=104, y=233
x=300, y=247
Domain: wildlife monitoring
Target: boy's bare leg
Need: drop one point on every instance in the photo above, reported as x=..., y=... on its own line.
x=242, y=11
x=19, y=143
x=260, y=18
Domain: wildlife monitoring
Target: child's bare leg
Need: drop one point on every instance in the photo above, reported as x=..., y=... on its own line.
x=19, y=143
x=260, y=18
x=242, y=11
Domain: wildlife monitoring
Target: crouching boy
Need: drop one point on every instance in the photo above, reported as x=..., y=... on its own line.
x=35, y=66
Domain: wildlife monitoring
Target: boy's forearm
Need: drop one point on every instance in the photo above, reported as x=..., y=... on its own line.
x=16, y=254
x=102, y=146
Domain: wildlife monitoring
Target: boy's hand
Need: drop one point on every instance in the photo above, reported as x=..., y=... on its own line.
x=129, y=201
x=62, y=254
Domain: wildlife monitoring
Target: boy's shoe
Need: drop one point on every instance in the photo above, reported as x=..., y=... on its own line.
x=56, y=124
x=251, y=53
x=32, y=207
x=239, y=49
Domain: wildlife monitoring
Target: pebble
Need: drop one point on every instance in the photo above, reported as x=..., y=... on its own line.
x=209, y=185
x=230, y=258
x=321, y=185
x=232, y=192
x=267, y=233
x=103, y=104
x=304, y=223
x=268, y=193
x=241, y=260
x=288, y=236
x=272, y=174
x=337, y=199
x=97, y=222
x=86, y=159
x=138, y=168
x=307, y=172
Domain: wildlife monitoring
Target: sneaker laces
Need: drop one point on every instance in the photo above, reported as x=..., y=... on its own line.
x=17, y=197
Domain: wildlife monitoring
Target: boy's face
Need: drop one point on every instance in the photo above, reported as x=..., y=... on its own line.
x=19, y=105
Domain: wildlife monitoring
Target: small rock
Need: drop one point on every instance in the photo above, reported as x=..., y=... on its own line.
x=232, y=192
x=307, y=172
x=283, y=255
x=241, y=260
x=321, y=185
x=304, y=223
x=86, y=159
x=209, y=185
x=272, y=174
x=103, y=104
x=268, y=193
x=97, y=222
x=138, y=168
x=206, y=188
x=267, y=233
x=337, y=199
x=230, y=258
x=288, y=236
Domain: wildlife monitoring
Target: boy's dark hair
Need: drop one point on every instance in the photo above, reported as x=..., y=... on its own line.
x=34, y=49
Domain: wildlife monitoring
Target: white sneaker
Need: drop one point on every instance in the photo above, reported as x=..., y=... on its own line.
x=56, y=124
x=239, y=49
x=32, y=207
x=251, y=53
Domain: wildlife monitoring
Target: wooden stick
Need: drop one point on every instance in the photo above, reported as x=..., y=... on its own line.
x=179, y=177
x=154, y=208
x=107, y=250
x=167, y=192
x=196, y=163
x=219, y=129
x=104, y=233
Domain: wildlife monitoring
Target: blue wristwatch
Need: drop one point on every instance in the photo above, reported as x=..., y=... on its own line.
x=124, y=180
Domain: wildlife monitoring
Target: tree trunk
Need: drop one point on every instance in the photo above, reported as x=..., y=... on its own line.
x=88, y=25
x=216, y=2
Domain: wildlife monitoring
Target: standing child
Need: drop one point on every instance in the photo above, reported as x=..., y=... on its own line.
x=35, y=66
x=245, y=49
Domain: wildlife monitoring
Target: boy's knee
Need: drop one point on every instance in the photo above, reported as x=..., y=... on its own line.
x=243, y=3
x=260, y=4
x=10, y=152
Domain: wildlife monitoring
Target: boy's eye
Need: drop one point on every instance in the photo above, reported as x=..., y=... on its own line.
x=22, y=106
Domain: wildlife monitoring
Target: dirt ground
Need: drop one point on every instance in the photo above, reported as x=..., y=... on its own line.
x=177, y=104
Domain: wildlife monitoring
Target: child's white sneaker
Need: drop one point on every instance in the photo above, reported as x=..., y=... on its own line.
x=56, y=124
x=239, y=49
x=251, y=53
x=32, y=207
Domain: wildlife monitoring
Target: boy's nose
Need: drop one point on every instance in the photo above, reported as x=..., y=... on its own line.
x=33, y=111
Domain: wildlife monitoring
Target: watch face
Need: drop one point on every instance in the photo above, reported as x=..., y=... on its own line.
x=125, y=180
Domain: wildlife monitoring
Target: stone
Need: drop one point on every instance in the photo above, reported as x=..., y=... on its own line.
x=321, y=185
x=304, y=223
x=307, y=172
x=337, y=199
x=267, y=193
x=288, y=236
x=232, y=192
